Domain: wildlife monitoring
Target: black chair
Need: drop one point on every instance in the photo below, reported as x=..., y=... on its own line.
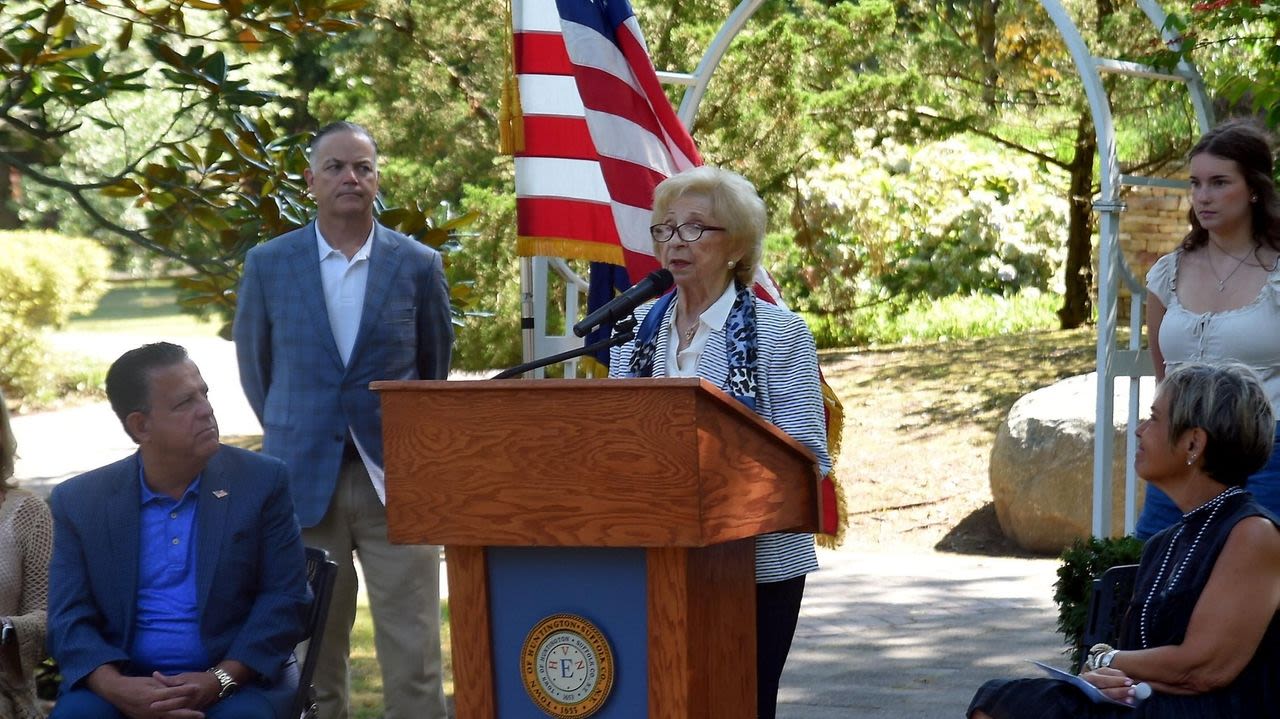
x=1107, y=606
x=321, y=573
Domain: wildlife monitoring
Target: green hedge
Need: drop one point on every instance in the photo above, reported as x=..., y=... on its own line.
x=44, y=279
x=1084, y=561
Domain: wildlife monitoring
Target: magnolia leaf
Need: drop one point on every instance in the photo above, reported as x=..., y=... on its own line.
x=124, y=187
x=125, y=37
x=70, y=54
x=249, y=40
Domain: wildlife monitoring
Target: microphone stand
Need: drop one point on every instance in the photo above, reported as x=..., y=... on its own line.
x=623, y=332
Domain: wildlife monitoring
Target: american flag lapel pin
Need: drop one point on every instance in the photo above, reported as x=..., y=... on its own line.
x=220, y=493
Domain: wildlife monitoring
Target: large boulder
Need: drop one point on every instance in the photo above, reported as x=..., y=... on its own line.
x=1042, y=463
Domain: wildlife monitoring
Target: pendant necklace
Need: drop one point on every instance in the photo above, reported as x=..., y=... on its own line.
x=1222, y=281
x=688, y=334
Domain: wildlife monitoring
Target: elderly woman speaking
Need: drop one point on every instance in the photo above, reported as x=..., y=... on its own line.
x=709, y=232
x=1201, y=629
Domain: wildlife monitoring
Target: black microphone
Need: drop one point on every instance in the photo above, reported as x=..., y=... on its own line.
x=655, y=284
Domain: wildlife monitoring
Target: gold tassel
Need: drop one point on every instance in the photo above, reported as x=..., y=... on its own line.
x=835, y=430
x=510, y=114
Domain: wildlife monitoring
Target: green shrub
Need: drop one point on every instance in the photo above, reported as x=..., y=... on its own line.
x=44, y=279
x=890, y=221
x=1084, y=561
x=931, y=320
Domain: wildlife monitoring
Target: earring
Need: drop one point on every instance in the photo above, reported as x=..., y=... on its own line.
x=732, y=264
x=1191, y=460
x=1253, y=198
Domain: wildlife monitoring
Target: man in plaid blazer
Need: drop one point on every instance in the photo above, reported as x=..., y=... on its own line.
x=323, y=311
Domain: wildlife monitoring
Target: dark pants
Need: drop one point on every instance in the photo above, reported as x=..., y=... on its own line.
x=82, y=703
x=253, y=701
x=777, y=611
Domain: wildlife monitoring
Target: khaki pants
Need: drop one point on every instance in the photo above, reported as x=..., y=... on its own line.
x=403, y=584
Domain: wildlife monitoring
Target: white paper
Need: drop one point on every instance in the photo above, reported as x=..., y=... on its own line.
x=1095, y=694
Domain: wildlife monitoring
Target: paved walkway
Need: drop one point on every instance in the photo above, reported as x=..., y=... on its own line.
x=899, y=635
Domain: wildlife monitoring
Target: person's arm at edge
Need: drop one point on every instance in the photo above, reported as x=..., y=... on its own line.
x=37, y=545
x=435, y=323
x=73, y=636
x=251, y=331
x=1155, y=315
x=797, y=403
x=277, y=620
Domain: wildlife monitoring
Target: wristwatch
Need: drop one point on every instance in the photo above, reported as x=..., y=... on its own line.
x=228, y=685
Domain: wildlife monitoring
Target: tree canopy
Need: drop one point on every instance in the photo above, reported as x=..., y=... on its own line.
x=179, y=125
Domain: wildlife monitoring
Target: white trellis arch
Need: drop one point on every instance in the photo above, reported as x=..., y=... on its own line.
x=1112, y=362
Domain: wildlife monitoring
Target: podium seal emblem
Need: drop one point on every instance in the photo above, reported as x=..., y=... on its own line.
x=567, y=666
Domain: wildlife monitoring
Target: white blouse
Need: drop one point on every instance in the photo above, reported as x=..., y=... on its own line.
x=1249, y=335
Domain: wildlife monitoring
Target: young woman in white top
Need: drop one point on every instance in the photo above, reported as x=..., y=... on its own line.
x=1217, y=297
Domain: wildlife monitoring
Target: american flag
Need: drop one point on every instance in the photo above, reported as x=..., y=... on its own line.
x=599, y=135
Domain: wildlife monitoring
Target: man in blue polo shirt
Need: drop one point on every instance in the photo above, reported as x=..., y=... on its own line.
x=178, y=582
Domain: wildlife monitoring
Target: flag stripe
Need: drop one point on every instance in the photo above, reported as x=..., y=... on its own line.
x=588, y=49
x=631, y=183
x=559, y=177
x=607, y=95
x=550, y=95
x=633, y=228
x=542, y=53
x=680, y=141
x=568, y=219
x=566, y=137
x=535, y=16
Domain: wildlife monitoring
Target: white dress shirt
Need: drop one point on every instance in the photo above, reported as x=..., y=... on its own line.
x=684, y=363
x=344, y=283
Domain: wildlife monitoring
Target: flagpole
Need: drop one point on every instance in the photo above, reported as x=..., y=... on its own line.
x=526, y=308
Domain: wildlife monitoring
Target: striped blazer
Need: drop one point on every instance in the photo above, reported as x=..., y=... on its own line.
x=789, y=396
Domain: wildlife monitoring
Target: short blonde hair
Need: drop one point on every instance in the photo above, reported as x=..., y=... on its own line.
x=735, y=204
x=1228, y=402
x=8, y=444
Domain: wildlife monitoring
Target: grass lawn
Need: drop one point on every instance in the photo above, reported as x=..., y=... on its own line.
x=144, y=307
x=366, y=679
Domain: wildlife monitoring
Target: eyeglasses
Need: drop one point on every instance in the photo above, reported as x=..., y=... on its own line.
x=689, y=231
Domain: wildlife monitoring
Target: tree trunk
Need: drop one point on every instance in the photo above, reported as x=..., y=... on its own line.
x=9, y=219
x=1077, y=304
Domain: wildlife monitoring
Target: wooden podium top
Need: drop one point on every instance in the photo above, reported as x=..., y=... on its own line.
x=609, y=463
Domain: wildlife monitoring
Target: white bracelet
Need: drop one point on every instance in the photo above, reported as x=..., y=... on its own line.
x=1104, y=661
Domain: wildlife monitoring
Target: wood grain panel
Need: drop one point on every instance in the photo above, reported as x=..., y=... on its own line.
x=702, y=648
x=469, y=619
x=611, y=463
x=751, y=486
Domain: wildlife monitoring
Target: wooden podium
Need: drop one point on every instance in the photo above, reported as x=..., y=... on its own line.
x=631, y=504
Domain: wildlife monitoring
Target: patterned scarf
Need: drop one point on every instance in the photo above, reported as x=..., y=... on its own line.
x=739, y=340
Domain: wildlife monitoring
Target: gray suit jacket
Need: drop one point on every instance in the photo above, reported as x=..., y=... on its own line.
x=290, y=369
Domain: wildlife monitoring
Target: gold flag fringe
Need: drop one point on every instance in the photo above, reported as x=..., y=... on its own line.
x=835, y=429
x=510, y=114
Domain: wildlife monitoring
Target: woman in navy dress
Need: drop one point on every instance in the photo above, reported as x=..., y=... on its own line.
x=1201, y=629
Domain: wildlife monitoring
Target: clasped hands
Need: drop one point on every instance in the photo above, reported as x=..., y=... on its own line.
x=180, y=696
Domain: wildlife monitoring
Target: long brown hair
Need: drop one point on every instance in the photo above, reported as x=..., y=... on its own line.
x=1244, y=142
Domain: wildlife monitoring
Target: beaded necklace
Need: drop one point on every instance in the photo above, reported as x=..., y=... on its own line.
x=1212, y=506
